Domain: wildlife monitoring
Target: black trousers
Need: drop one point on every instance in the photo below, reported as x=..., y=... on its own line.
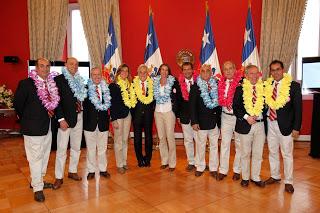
x=143, y=121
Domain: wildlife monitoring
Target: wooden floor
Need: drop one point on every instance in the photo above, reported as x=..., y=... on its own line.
x=155, y=190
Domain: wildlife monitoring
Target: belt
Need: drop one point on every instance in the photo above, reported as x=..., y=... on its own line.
x=227, y=113
x=260, y=120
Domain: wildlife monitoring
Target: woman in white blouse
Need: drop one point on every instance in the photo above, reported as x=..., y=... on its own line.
x=167, y=94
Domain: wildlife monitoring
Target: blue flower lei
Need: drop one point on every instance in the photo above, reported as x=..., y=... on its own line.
x=76, y=83
x=210, y=99
x=93, y=97
x=167, y=89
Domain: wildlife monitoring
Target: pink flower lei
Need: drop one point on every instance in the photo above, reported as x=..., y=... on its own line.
x=184, y=87
x=227, y=101
x=49, y=97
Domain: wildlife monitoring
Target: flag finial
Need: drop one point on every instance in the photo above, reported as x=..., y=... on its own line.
x=249, y=3
x=207, y=7
x=150, y=11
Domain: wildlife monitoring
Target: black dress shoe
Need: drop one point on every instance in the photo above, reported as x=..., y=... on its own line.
x=259, y=183
x=236, y=176
x=190, y=168
x=46, y=185
x=105, y=174
x=245, y=183
x=221, y=176
x=164, y=166
x=198, y=173
x=147, y=164
x=90, y=175
x=272, y=180
x=39, y=196
x=289, y=188
x=141, y=164
x=214, y=174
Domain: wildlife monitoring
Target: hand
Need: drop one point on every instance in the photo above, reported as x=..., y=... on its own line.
x=295, y=134
x=115, y=124
x=251, y=120
x=50, y=113
x=64, y=125
x=195, y=127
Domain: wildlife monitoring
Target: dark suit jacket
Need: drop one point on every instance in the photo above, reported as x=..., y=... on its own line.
x=143, y=109
x=290, y=116
x=34, y=119
x=242, y=125
x=200, y=114
x=175, y=97
x=184, y=111
x=92, y=117
x=67, y=106
x=117, y=110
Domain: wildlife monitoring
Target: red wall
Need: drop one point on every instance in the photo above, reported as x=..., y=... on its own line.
x=179, y=25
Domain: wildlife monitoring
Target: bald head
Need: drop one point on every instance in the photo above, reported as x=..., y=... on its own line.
x=72, y=65
x=229, y=68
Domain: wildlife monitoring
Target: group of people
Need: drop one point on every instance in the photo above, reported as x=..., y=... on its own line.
x=204, y=104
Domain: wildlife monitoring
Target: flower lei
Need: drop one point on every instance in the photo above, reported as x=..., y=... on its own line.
x=128, y=97
x=184, y=87
x=49, y=97
x=255, y=110
x=161, y=99
x=227, y=101
x=283, y=94
x=210, y=99
x=76, y=83
x=138, y=91
x=93, y=97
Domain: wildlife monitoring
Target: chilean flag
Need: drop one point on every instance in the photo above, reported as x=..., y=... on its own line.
x=208, y=52
x=250, y=53
x=111, y=56
x=152, y=54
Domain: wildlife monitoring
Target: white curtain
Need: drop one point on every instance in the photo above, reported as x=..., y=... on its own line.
x=95, y=19
x=280, y=30
x=47, y=28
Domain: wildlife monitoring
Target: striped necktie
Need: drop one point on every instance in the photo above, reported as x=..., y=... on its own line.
x=273, y=114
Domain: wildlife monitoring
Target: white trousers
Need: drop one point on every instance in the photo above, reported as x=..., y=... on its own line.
x=165, y=122
x=201, y=140
x=276, y=140
x=75, y=135
x=188, y=142
x=121, y=136
x=96, y=141
x=228, y=123
x=251, y=144
x=38, y=152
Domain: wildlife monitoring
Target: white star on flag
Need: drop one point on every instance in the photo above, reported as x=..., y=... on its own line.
x=148, y=41
x=205, y=39
x=109, y=39
x=247, y=36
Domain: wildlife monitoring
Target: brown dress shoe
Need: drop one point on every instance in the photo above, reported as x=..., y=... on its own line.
x=74, y=176
x=46, y=185
x=198, y=173
x=171, y=169
x=214, y=174
x=121, y=170
x=164, y=166
x=259, y=183
x=236, y=176
x=244, y=183
x=90, y=175
x=190, y=168
x=289, y=188
x=221, y=176
x=39, y=196
x=57, y=184
x=271, y=180
x=105, y=174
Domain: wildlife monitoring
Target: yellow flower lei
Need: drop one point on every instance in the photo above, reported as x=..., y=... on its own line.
x=255, y=110
x=283, y=93
x=127, y=97
x=138, y=91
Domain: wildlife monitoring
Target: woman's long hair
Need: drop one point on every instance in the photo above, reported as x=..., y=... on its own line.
x=119, y=70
